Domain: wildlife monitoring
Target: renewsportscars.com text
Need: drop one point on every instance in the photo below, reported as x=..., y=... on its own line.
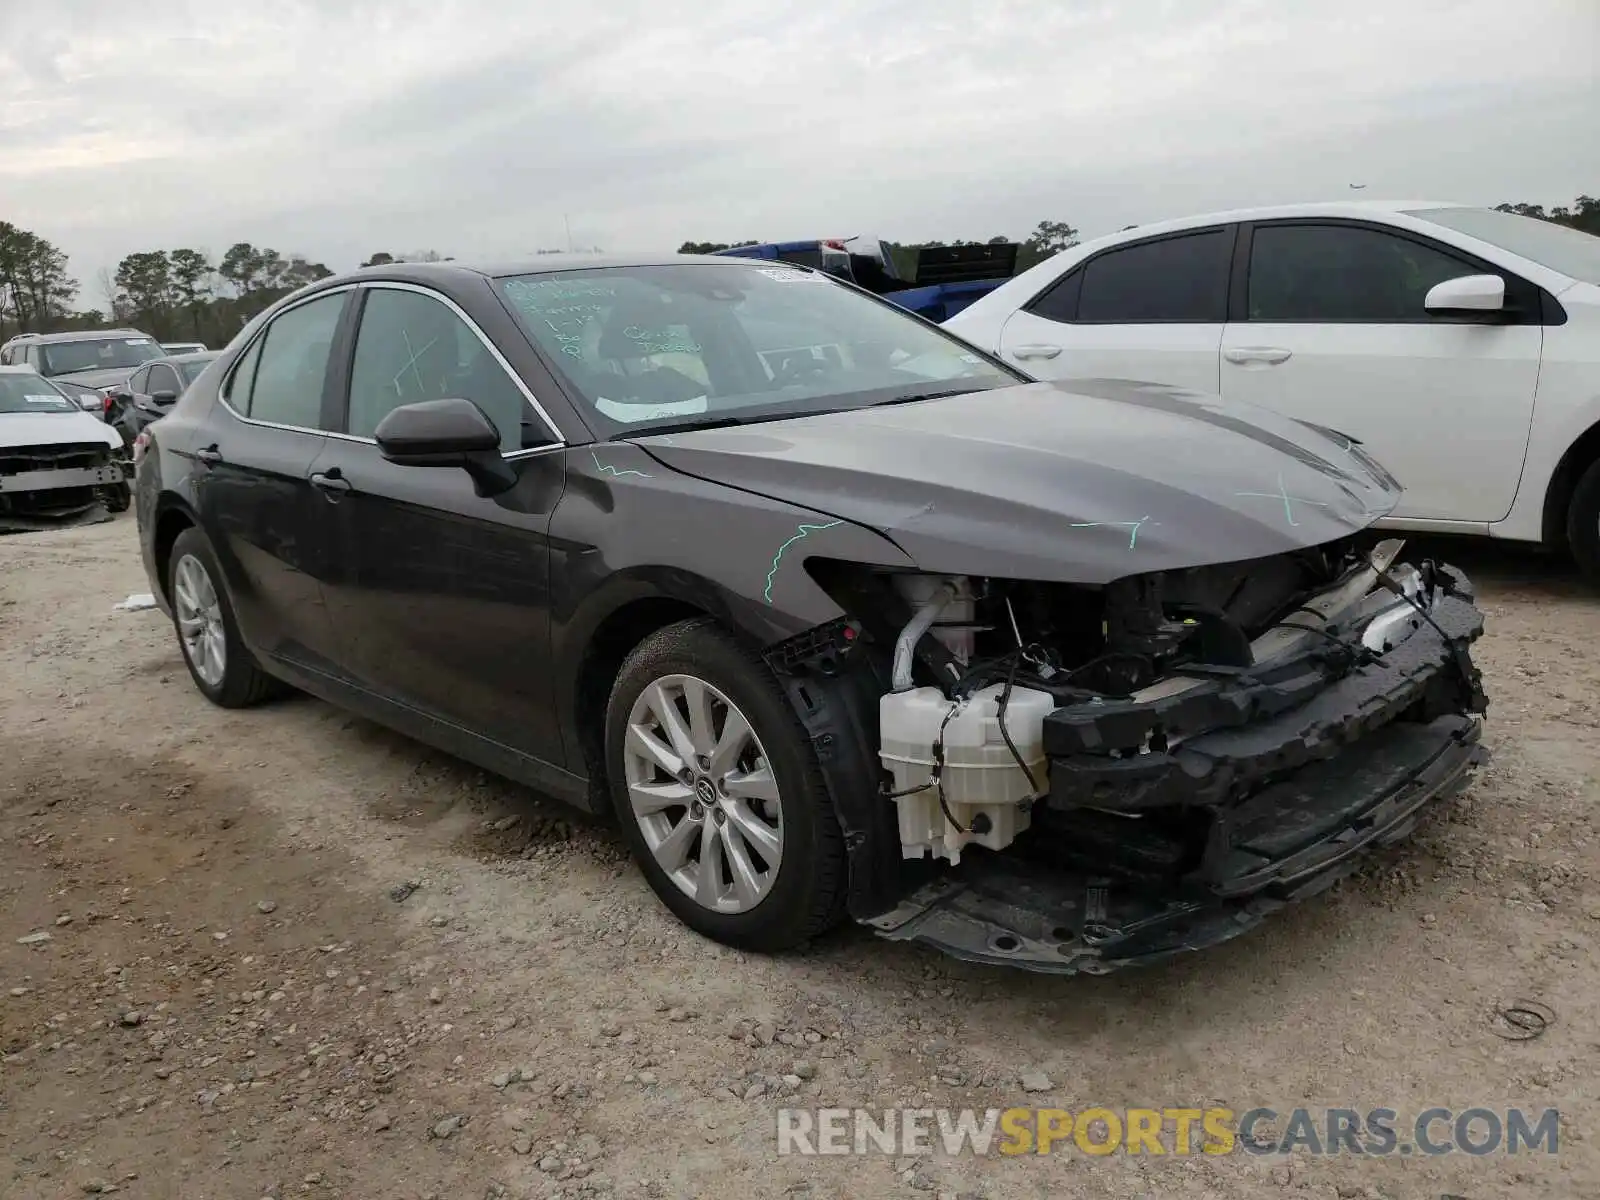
x=1167, y=1131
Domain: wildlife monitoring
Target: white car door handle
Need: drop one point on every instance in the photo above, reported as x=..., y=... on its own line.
x=1039, y=350
x=1256, y=354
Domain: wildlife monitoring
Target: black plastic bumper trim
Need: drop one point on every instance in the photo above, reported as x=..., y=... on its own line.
x=1004, y=910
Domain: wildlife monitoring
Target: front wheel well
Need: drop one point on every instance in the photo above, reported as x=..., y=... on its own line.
x=169, y=525
x=612, y=641
x=1558, y=496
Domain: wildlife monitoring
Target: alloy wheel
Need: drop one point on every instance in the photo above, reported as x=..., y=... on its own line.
x=702, y=790
x=199, y=614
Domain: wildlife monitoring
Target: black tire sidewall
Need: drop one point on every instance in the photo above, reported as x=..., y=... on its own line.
x=1583, y=523
x=241, y=680
x=805, y=898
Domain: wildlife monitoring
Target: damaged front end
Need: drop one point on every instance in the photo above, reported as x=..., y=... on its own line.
x=57, y=485
x=1070, y=778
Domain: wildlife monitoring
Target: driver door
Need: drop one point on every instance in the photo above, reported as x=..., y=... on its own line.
x=440, y=598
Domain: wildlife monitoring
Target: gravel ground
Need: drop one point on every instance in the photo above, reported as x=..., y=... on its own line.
x=286, y=953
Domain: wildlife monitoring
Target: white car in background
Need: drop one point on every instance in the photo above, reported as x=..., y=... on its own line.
x=1460, y=345
x=59, y=465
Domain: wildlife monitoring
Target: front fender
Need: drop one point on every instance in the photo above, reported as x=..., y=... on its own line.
x=629, y=529
x=628, y=526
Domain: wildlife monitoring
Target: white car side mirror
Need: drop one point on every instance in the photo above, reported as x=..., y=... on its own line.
x=1467, y=293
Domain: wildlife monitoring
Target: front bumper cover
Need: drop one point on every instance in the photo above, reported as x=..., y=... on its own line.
x=1302, y=767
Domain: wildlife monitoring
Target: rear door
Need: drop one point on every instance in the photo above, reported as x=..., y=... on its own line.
x=1151, y=310
x=441, y=601
x=1331, y=328
x=253, y=458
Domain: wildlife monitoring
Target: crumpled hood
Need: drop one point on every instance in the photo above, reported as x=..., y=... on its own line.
x=1082, y=482
x=54, y=429
x=97, y=379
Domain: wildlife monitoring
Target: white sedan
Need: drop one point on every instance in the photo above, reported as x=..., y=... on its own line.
x=59, y=465
x=1461, y=345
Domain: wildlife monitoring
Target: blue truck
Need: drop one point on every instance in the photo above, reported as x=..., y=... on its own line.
x=944, y=279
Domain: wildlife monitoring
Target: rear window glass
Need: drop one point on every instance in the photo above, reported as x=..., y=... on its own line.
x=1174, y=279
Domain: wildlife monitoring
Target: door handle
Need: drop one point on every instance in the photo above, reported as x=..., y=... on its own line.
x=1037, y=350
x=331, y=482
x=1257, y=354
x=208, y=455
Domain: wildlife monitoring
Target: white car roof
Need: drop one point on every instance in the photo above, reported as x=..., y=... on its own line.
x=1322, y=208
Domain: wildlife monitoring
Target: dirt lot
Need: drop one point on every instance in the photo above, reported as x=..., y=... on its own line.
x=290, y=954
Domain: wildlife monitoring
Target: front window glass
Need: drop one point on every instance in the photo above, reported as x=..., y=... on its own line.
x=654, y=345
x=96, y=354
x=1343, y=273
x=413, y=348
x=25, y=392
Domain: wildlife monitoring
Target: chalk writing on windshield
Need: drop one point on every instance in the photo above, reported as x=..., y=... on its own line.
x=660, y=341
x=549, y=302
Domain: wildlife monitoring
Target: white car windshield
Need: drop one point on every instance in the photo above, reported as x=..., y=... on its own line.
x=27, y=393
x=96, y=354
x=1559, y=247
x=697, y=342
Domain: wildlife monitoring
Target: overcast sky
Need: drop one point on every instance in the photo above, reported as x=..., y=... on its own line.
x=334, y=128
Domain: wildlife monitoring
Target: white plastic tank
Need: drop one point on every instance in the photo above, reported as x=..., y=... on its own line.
x=981, y=777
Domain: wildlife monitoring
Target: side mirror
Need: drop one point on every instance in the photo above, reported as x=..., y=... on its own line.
x=446, y=433
x=164, y=396
x=1467, y=293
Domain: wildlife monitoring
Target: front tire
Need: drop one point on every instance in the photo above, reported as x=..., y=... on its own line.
x=719, y=794
x=1583, y=523
x=208, y=631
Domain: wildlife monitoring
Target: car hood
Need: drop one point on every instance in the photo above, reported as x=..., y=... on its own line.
x=97, y=379
x=55, y=429
x=1082, y=482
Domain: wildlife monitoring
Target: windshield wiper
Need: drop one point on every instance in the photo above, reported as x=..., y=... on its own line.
x=685, y=426
x=912, y=397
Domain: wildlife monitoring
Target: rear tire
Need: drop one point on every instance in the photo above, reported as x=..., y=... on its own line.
x=208, y=632
x=1583, y=523
x=117, y=497
x=726, y=812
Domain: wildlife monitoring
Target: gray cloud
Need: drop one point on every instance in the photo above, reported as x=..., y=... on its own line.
x=338, y=127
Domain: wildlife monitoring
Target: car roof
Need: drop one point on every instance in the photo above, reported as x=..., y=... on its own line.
x=84, y=335
x=1349, y=209
x=503, y=268
x=187, y=356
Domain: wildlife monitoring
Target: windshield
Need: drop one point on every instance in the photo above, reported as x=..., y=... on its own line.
x=1559, y=247
x=657, y=345
x=96, y=354
x=191, y=370
x=25, y=392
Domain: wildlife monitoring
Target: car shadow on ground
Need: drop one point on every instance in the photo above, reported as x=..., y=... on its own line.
x=1497, y=567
